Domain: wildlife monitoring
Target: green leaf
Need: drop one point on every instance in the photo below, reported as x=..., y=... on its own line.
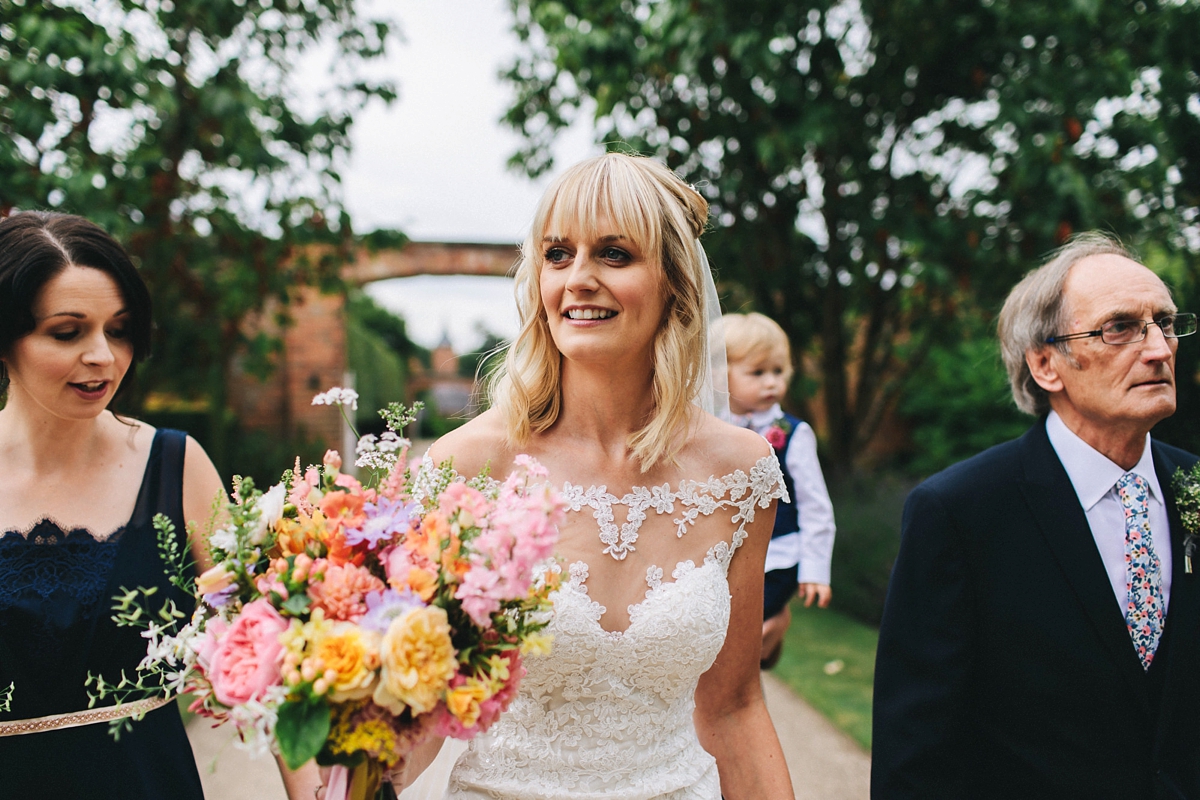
x=301, y=731
x=297, y=604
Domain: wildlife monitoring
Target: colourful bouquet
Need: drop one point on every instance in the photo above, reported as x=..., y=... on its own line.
x=348, y=623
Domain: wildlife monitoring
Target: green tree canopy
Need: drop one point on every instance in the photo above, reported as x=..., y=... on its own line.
x=178, y=125
x=875, y=167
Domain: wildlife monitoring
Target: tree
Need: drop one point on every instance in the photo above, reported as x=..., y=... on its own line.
x=177, y=125
x=876, y=168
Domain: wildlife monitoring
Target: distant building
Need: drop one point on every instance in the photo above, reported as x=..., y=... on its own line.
x=451, y=395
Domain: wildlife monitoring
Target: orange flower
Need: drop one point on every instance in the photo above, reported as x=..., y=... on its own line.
x=427, y=538
x=338, y=552
x=452, y=560
x=300, y=535
x=343, y=509
x=423, y=582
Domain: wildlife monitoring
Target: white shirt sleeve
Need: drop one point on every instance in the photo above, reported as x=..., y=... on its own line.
x=813, y=506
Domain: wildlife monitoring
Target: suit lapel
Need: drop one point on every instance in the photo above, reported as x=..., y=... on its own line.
x=1055, y=506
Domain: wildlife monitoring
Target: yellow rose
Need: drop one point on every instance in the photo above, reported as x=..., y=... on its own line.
x=418, y=661
x=463, y=701
x=353, y=654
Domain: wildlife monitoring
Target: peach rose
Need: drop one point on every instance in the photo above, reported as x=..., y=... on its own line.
x=352, y=655
x=246, y=659
x=418, y=661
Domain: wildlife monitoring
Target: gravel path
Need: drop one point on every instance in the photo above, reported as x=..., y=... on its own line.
x=825, y=764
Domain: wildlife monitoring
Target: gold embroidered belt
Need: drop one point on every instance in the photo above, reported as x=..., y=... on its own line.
x=74, y=719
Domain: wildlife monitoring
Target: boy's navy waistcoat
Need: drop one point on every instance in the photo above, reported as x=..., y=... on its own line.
x=786, y=518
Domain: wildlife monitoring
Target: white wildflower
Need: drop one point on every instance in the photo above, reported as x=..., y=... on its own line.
x=366, y=444
x=376, y=460
x=224, y=539
x=390, y=442
x=271, y=504
x=337, y=396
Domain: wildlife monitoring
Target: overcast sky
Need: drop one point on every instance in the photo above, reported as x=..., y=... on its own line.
x=433, y=163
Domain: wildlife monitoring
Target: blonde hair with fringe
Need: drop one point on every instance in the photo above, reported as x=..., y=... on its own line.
x=649, y=204
x=756, y=336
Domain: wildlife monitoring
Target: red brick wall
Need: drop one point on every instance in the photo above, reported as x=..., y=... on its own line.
x=313, y=359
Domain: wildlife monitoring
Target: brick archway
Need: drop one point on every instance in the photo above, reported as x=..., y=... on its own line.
x=313, y=356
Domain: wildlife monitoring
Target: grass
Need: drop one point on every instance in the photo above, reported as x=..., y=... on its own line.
x=816, y=642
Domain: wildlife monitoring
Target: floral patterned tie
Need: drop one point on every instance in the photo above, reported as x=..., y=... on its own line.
x=1143, y=575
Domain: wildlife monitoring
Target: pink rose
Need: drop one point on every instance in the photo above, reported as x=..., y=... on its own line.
x=213, y=631
x=246, y=659
x=776, y=437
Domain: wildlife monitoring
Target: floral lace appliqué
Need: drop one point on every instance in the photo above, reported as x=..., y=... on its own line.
x=608, y=714
x=738, y=491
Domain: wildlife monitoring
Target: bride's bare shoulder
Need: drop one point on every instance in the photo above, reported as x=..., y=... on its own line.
x=478, y=443
x=726, y=448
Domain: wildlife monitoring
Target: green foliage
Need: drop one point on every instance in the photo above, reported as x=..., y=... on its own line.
x=877, y=169
x=379, y=352
x=301, y=730
x=126, y=690
x=178, y=563
x=177, y=127
x=959, y=404
x=482, y=358
x=6, y=696
x=868, y=539
x=829, y=660
x=432, y=425
x=1186, y=486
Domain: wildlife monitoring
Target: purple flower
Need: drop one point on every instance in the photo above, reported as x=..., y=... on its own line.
x=385, y=606
x=385, y=518
x=218, y=599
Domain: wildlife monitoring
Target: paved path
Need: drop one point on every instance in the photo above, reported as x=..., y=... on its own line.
x=825, y=764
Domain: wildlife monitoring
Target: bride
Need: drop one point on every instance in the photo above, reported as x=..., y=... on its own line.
x=652, y=688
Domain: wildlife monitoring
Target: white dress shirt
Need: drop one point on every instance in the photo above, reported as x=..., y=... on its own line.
x=1094, y=479
x=812, y=546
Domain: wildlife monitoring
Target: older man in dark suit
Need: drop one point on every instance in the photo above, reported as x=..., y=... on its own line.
x=1040, y=634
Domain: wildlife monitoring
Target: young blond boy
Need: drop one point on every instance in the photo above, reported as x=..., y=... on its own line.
x=801, y=549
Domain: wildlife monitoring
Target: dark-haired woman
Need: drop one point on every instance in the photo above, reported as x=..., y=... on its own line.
x=79, y=487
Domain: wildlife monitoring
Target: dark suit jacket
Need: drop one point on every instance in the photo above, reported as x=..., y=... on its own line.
x=1004, y=667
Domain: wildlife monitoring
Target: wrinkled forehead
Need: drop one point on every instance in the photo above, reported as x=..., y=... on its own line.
x=1109, y=286
x=590, y=206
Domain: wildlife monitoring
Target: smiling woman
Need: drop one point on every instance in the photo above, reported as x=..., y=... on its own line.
x=80, y=490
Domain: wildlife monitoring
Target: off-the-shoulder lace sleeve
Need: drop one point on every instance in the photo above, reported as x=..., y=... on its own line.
x=743, y=493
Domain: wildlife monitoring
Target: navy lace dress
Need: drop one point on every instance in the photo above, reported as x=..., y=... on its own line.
x=56, y=591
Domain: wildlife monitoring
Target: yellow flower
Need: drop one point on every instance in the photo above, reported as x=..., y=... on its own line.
x=498, y=671
x=463, y=701
x=353, y=655
x=537, y=644
x=350, y=735
x=418, y=661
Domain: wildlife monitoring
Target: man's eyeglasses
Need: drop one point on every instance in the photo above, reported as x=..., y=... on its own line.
x=1131, y=331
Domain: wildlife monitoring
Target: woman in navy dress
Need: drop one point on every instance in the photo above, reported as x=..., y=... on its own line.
x=79, y=487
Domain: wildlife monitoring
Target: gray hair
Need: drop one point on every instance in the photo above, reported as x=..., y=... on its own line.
x=1035, y=311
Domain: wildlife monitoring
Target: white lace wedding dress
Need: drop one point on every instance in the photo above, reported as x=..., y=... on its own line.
x=608, y=714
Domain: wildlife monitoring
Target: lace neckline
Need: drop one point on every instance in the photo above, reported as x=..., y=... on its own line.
x=658, y=588
x=59, y=533
x=737, y=491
